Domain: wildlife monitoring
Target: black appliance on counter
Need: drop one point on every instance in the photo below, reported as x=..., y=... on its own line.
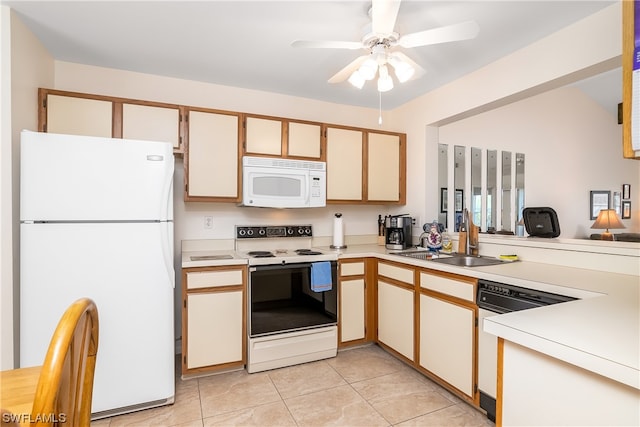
x=398, y=232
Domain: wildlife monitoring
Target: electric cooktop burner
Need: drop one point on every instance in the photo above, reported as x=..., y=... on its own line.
x=307, y=252
x=261, y=254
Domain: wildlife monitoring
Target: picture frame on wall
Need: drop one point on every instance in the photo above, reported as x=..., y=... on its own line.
x=626, y=209
x=626, y=191
x=598, y=200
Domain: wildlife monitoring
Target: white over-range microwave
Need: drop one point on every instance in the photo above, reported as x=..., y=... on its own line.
x=283, y=183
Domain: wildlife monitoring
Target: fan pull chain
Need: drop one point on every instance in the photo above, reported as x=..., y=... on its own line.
x=380, y=108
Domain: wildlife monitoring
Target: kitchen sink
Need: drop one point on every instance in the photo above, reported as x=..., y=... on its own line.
x=414, y=254
x=469, y=260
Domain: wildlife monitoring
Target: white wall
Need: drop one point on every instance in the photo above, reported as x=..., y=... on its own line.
x=571, y=145
x=29, y=66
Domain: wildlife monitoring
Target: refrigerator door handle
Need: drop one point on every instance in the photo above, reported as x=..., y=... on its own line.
x=167, y=250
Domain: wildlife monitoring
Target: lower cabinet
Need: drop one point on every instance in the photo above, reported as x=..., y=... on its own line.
x=213, y=319
x=448, y=331
x=395, y=308
x=353, y=301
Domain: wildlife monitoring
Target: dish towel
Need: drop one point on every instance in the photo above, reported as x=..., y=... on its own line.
x=321, y=276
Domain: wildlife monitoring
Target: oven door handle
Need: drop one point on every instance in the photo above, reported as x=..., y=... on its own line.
x=280, y=266
x=285, y=266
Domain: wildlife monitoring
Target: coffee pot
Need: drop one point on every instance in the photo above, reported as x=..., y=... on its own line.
x=398, y=232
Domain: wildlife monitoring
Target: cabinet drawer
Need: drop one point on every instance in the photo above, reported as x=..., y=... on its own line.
x=352, y=269
x=212, y=279
x=454, y=288
x=397, y=273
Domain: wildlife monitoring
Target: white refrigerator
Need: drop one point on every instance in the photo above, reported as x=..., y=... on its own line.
x=96, y=220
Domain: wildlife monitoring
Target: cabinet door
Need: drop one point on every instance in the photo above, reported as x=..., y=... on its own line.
x=304, y=140
x=151, y=123
x=352, y=310
x=263, y=136
x=79, y=116
x=212, y=156
x=447, y=341
x=214, y=328
x=395, y=318
x=383, y=177
x=344, y=164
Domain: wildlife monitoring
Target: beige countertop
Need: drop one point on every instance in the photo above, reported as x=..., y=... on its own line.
x=599, y=332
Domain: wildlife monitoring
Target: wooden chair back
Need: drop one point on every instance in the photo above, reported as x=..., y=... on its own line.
x=65, y=386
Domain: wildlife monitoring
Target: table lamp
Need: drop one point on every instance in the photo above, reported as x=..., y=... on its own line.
x=607, y=218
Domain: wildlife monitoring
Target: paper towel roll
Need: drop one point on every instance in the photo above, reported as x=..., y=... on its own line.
x=338, y=232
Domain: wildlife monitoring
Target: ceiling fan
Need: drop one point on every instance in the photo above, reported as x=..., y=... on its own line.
x=380, y=44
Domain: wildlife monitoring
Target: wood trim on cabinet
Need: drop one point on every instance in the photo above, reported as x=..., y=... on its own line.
x=499, y=385
x=116, y=119
x=628, y=47
x=42, y=110
x=365, y=165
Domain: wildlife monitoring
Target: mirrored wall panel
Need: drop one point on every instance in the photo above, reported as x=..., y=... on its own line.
x=443, y=172
x=519, y=226
x=476, y=187
x=459, y=180
x=492, y=188
x=506, y=191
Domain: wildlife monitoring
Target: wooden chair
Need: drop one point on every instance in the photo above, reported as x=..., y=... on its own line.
x=65, y=386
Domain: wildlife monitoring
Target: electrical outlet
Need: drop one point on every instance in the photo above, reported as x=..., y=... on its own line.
x=208, y=222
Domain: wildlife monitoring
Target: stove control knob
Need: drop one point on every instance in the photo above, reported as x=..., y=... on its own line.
x=250, y=232
x=242, y=232
x=262, y=232
x=289, y=231
x=300, y=231
x=307, y=231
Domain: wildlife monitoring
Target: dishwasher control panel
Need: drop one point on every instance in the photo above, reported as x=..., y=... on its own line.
x=505, y=298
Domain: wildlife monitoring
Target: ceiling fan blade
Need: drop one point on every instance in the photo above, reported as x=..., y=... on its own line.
x=344, y=74
x=326, y=44
x=462, y=31
x=383, y=15
x=419, y=70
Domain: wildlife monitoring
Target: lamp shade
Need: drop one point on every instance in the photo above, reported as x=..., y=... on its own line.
x=607, y=218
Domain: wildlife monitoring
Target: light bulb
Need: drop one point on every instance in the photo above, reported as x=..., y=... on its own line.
x=384, y=81
x=356, y=79
x=404, y=71
x=368, y=69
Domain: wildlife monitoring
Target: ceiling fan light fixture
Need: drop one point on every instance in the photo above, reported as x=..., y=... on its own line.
x=403, y=70
x=368, y=69
x=356, y=79
x=385, y=83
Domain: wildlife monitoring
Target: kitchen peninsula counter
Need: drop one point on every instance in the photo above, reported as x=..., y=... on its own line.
x=599, y=332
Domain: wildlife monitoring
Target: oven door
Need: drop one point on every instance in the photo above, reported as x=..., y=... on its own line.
x=281, y=299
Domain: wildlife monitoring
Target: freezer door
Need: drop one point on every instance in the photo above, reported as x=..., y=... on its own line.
x=127, y=269
x=81, y=178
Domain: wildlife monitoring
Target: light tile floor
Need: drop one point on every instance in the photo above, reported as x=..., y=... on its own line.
x=363, y=386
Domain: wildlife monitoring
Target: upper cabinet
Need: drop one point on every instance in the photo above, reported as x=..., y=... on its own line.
x=75, y=115
x=212, y=164
x=386, y=168
x=278, y=137
x=365, y=166
x=151, y=123
x=344, y=165
x=110, y=117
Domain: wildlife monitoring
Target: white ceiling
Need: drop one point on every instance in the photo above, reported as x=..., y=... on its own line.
x=248, y=43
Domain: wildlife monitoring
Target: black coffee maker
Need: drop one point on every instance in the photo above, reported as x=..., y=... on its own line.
x=398, y=232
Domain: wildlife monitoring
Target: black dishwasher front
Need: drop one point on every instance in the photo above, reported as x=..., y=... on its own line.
x=499, y=298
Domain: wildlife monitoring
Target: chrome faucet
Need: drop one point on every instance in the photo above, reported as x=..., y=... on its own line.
x=466, y=222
